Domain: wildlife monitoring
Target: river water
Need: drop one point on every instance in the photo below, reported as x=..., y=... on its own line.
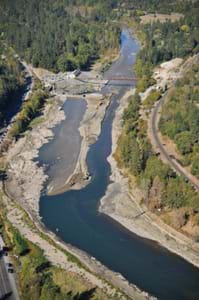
x=63, y=151
x=75, y=213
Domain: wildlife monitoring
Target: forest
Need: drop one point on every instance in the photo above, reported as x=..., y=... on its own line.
x=163, y=190
x=180, y=118
x=152, y=6
x=63, y=35
x=11, y=78
x=135, y=153
x=164, y=41
x=59, y=35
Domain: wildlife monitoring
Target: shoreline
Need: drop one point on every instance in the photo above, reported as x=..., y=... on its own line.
x=27, y=150
x=92, y=271
x=89, y=129
x=122, y=205
x=58, y=253
x=80, y=177
x=25, y=177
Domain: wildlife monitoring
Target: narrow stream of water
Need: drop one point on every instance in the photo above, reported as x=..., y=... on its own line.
x=75, y=213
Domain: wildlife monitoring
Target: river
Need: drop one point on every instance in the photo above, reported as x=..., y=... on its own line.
x=75, y=213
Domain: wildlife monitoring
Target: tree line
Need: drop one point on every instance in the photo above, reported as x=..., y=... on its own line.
x=59, y=35
x=180, y=118
x=165, y=41
x=11, y=78
x=135, y=153
x=161, y=187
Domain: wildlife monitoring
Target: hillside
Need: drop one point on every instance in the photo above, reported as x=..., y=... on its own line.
x=11, y=79
x=163, y=190
x=59, y=35
x=180, y=119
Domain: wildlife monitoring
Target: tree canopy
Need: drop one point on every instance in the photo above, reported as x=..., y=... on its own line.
x=59, y=35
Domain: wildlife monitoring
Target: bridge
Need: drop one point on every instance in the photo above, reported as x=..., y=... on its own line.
x=107, y=81
x=122, y=78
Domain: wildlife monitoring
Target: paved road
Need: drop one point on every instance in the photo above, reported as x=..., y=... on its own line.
x=5, y=287
x=171, y=161
x=7, y=280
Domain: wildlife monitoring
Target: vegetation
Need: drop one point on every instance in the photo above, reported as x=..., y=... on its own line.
x=152, y=98
x=20, y=245
x=59, y=35
x=30, y=110
x=163, y=41
x=139, y=8
x=180, y=118
x=37, y=278
x=135, y=153
x=161, y=187
x=62, y=35
x=11, y=79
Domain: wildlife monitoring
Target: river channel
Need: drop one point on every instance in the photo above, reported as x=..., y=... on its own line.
x=75, y=213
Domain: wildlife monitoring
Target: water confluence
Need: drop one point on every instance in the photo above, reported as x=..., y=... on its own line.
x=75, y=213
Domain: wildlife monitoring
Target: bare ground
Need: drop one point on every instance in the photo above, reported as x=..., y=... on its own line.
x=123, y=205
x=25, y=177
x=25, y=182
x=93, y=272
x=90, y=129
x=150, y=18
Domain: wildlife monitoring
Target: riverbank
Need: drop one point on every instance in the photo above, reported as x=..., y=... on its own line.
x=69, y=258
x=25, y=183
x=122, y=204
x=25, y=177
x=90, y=128
x=26, y=180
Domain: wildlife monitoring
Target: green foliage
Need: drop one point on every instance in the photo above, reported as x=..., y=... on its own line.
x=133, y=147
x=36, y=277
x=174, y=196
x=143, y=71
x=11, y=79
x=154, y=6
x=184, y=142
x=180, y=194
x=59, y=35
x=152, y=98
x=29, y=111
x=163, y=41
x=180, y=117
x=195, y=165
x=20, y=244
x=154, y=167
x=38, y=285
x=134, y=151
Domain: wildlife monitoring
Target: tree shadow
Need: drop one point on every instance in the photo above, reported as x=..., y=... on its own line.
x=3, y=175
x=85, y=295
